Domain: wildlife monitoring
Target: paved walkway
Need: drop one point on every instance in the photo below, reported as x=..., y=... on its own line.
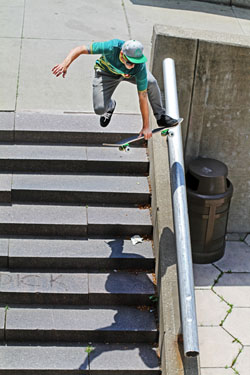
x=223, y=310
x=35, y=35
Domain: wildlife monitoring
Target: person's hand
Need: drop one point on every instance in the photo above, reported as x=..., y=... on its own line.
x=146, y=133
x=59, y=69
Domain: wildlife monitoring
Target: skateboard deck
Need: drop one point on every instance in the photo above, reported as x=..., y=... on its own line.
x=124, y=144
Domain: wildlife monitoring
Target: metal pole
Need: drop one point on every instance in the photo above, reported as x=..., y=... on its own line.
x=181, y=221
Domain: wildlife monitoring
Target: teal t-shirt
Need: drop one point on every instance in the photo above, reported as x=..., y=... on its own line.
x=110, y=62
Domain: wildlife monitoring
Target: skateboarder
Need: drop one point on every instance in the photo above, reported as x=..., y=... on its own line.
x=120, y=61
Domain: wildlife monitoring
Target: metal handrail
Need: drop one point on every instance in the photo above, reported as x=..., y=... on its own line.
x=181, y=220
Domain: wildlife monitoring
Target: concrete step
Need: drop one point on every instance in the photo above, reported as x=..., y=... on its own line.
x=68, y=220
x=5, y=187
x=78, y=254
x=88, y=189
x=115, y=221
x=131, y=359
x=133, y=288
x=2, y=323
x=72, y=274
x=74, y=159
x=76, y=288
x=45, y=220
x=71, y=128
x=96, y=324
x=43, y=288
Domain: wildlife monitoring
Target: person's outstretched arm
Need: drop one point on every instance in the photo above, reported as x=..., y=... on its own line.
x=143, y=99
x=63, y=67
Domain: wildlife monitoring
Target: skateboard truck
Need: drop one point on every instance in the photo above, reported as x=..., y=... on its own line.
x=125, y=148
x=167, y=132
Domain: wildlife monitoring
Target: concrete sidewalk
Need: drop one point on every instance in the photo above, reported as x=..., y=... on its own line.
x=223, y=309
x=36, y=35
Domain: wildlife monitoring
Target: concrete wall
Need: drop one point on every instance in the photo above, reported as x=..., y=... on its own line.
x=213, y=78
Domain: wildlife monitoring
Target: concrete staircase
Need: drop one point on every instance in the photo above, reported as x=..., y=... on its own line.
x=75, y=294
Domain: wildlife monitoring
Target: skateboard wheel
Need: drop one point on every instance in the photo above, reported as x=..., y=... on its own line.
x=127, y=149
x=121, y=148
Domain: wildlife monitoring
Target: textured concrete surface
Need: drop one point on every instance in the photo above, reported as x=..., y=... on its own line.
x=69, y=359
x=76, y=158
x=47, y=358
x=121, y=288
x=86, y=189
x=117, y=221
x=4, y=252
x=5, y=187
x=172, y=359
x=101, y=324
x=223, y=311
x=49, y=31
x=123, y=358
x=2, y=323
x=7, y=120
x=220, y=346
x=78, y=128
x=210, y=102
x=42, y=288
x=29, y=50
x=76, y=254
x=43, y=220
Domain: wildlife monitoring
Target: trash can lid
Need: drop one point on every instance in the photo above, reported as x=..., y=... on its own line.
x=208, y=168
x=211, y=176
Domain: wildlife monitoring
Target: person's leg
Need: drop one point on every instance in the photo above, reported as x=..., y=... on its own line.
x=104, y=84
x=154, y=97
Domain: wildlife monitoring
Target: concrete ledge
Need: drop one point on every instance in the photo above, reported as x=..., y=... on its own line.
x=171, y=352
x=173, y=361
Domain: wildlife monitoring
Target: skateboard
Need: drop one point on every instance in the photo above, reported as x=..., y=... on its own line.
x=124, y=144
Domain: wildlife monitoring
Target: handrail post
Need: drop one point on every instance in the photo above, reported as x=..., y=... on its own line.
x=181, y=220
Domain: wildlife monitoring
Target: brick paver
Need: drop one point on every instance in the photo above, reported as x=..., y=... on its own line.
x=223, y=310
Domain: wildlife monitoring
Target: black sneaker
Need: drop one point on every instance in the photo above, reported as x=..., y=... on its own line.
x=105, y=119
x=167, y=121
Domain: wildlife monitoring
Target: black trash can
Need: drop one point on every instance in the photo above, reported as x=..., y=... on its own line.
x=209, y=194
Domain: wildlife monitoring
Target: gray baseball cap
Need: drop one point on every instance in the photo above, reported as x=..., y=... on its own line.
x=133, y=50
